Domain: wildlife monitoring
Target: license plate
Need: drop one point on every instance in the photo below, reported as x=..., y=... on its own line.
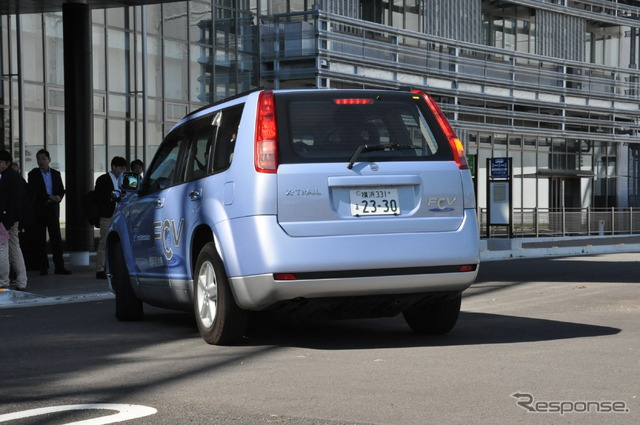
x=374, y=201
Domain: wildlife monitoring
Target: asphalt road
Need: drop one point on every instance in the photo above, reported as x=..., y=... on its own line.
x=539, y=341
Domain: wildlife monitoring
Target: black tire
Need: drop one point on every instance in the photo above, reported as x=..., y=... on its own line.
x=434, y=319
x=128, y=305
x=220, y=320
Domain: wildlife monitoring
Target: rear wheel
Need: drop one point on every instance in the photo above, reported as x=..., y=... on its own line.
x=128, y=305
x=220, y=320
x=434, y=319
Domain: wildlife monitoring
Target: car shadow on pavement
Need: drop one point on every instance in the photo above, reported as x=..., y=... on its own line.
x=471, y=329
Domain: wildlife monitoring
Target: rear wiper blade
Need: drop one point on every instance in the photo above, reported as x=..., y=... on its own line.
x=368, y=148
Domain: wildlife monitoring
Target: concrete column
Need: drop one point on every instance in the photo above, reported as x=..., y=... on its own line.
x=78, y=104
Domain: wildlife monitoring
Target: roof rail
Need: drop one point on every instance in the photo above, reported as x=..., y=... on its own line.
x=223, y=100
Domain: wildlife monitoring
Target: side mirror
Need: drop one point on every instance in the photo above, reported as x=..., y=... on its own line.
x=130, y=181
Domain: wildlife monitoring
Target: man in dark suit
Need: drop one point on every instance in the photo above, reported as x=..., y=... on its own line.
x=48, y=189
x=105, y=185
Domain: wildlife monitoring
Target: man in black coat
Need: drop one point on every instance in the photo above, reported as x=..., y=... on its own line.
x=48, y=189
x=105, y=185
x=12, y=193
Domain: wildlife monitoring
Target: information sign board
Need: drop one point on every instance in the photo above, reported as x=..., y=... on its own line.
x=499, y=168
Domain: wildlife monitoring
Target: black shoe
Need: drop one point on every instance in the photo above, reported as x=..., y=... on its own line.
x=63, y=271
x=44, y=272
x=101, y=275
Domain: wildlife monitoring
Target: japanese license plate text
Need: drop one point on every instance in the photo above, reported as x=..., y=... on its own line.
x=374, y=201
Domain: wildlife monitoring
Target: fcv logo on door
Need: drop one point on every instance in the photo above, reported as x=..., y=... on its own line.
x=441, y=204
x=169, y=234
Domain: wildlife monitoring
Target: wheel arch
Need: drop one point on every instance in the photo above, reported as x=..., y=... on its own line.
x=202, y=235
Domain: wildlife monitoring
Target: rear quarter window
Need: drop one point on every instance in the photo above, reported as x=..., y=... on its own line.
x=329, y=127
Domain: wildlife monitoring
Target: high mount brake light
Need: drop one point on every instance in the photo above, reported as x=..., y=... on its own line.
x=455, y=143
x=353, y=101
x=266, y=143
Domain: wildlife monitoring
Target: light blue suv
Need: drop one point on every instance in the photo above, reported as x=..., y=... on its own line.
x=338, y=203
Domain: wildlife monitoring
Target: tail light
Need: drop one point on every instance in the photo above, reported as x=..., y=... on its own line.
x=454, y=142
x=266, y=145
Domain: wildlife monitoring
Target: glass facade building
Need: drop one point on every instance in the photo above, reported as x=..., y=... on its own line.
x=552, y=84
x=151, y=65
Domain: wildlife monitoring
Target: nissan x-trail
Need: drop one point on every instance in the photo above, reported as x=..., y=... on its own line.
x=328, y=203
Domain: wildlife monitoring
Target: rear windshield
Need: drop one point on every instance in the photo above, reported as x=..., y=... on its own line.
x=330, y=126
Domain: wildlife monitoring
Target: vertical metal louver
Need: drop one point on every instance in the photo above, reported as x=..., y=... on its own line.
x=454, y=19
x=348, y=8
x=560, y=36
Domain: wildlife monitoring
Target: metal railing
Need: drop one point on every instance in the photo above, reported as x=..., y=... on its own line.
x=413, y=56
x=544, y=222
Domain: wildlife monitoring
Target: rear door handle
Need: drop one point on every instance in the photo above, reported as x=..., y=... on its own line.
x=195, y=194
x=160, y=203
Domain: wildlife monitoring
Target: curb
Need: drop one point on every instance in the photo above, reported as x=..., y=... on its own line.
x=10, y=298
x=556, y=251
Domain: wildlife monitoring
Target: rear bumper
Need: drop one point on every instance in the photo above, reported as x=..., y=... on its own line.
x=254, y=248
x=261, y=291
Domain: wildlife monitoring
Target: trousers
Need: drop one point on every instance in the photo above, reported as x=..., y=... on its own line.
x=11, y=256
x=100, y=252
x=47, y=220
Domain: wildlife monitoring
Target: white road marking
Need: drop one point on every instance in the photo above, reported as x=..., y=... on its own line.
x=125, y=412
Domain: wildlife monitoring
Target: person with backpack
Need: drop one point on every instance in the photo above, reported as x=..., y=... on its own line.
x=46, y=184
x=104, y=187
x=12, y=193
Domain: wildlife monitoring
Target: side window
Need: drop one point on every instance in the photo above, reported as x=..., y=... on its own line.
x=165, y=168
x=226, y=139
x=198, y=158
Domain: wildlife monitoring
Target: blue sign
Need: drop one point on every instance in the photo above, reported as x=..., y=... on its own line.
x=499, y=168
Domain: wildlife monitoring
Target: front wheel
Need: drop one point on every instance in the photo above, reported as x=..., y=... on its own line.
x=220, y=320
x=434, y=319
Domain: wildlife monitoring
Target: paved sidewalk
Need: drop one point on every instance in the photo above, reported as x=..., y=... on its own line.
x=82, y=284
x=51, y=289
